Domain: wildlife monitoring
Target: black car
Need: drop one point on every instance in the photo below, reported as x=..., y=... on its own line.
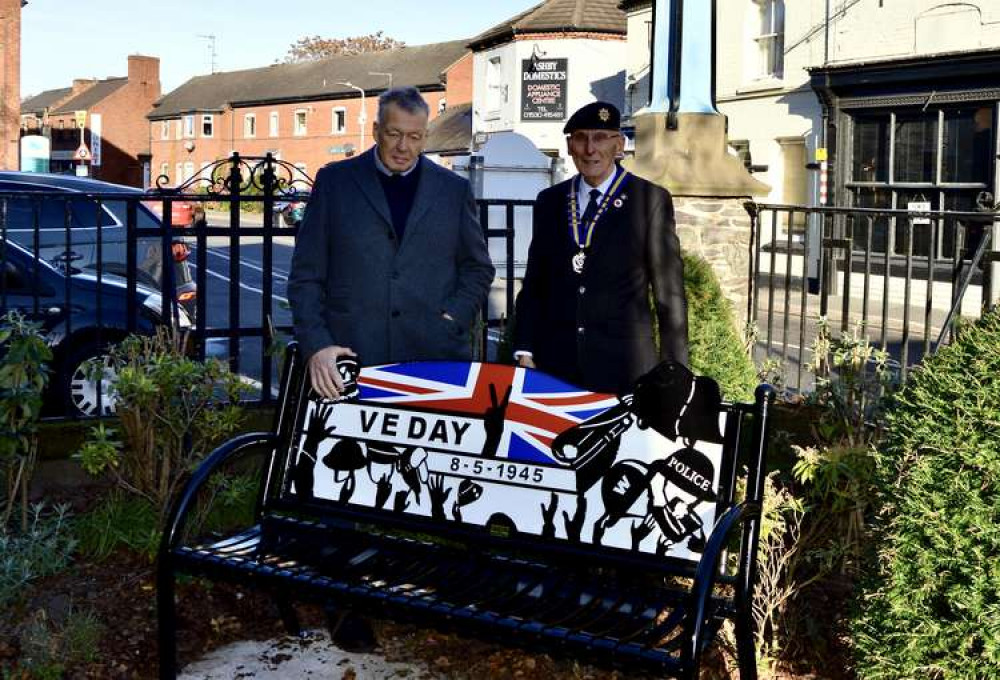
x=80, y=317
x=81, y=223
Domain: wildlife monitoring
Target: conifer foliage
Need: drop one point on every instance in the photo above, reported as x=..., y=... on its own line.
x=931, y=608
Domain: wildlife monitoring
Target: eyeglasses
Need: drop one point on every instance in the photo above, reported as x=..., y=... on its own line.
x=580, y=138
x=395, y=136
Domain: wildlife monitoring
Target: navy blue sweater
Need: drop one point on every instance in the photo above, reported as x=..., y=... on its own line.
x=399, y=192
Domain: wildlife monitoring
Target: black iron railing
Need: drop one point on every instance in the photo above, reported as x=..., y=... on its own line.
x=210, y=255
x=903, y=277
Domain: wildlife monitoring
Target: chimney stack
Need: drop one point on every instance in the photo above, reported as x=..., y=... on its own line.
x=10, y=77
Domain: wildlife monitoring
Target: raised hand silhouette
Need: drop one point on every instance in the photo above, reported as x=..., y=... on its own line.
x=493, y=421
x=400, y=503
x=549, y=516
x=641, y=530
x=438, y=494
x=383, y=487
x=575, y=525
x=317, y=430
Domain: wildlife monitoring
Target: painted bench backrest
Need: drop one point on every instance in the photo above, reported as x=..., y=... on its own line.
x=520, y=453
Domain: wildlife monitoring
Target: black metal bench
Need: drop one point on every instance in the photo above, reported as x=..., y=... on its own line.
x=505, y=503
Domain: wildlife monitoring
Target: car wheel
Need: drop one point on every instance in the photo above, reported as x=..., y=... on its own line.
x=83, y=392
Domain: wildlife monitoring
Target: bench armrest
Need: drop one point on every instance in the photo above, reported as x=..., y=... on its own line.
x=708, y=567
x=179, y=508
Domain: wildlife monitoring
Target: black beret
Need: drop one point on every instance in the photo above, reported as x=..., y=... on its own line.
x=594, y=116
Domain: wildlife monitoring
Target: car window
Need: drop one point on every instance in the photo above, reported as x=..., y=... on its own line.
x=85, y=215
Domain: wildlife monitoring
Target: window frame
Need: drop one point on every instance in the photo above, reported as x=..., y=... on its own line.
x=249, y=125
x=938, y=191
x=771, y=56
x=207, y=123
x=334, y=128
x=303, y=129
x=273, y=124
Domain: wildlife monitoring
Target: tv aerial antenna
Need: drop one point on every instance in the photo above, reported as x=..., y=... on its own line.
x=211, y=47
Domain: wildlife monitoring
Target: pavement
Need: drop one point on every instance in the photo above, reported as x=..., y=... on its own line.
x=311, y=655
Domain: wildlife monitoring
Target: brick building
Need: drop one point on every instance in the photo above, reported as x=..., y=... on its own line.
x=116, y=131
x=307, y=114
x=10, y=81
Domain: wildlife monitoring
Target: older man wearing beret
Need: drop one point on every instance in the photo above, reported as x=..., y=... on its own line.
x=604, y=259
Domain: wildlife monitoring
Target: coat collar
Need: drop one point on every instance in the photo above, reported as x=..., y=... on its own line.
x=428, y=193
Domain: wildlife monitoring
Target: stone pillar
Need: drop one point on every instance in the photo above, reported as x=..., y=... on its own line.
x=718, y=230
x=10, y=83
x=680, y=144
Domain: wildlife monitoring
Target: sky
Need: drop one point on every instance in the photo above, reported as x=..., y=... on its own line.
x=62, y=40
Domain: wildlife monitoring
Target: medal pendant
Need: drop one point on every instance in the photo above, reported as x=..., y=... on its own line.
x=578, y=261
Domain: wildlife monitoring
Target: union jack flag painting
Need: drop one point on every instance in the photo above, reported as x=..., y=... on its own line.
x=508, y=448
x=538, y=408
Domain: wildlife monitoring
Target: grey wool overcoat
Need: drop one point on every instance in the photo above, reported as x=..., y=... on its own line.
x=355, y=285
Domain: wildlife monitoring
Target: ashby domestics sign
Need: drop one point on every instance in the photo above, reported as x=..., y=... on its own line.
x=543, y=89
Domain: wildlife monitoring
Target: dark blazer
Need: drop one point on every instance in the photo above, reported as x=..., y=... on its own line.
x=353, y=284
x=595, y=330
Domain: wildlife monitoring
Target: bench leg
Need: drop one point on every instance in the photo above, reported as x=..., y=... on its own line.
x=349, y=631
x=745, y=654
x=166, y=612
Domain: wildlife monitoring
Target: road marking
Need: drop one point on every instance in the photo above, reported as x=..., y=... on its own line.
x=275, y=271
x=242, y=285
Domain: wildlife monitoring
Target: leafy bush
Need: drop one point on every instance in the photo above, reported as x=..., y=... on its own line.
x=714, y=345
x=23, y=375
x=45, y=548
x=50, y=647
x=932, y=606
x=119, y=521
x=172, y=410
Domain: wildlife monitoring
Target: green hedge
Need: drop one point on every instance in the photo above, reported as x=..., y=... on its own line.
x=931, y=607
x=714, y=343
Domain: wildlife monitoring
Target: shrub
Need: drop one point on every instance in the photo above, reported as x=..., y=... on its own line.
x=23, y=375
x=172, y=410
x=45, y=548
x=119, y=521
x=931, y=608
x=714, y=345
x=50, y=647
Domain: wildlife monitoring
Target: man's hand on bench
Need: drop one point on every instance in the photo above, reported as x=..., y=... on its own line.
x=323, y=372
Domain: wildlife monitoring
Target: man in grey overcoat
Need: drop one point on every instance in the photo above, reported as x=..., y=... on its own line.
x=390, y=263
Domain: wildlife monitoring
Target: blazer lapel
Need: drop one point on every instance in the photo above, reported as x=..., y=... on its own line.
x=365, y=175
x=427, y=194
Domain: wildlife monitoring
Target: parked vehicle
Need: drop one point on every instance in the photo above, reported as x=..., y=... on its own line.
x=87, y=233
x=289, y=211
x=81, y=317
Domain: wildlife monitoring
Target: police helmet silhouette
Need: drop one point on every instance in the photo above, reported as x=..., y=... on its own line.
x=678, y=404
x=689, y=470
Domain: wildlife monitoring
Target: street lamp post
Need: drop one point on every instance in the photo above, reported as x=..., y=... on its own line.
x=363, y=116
